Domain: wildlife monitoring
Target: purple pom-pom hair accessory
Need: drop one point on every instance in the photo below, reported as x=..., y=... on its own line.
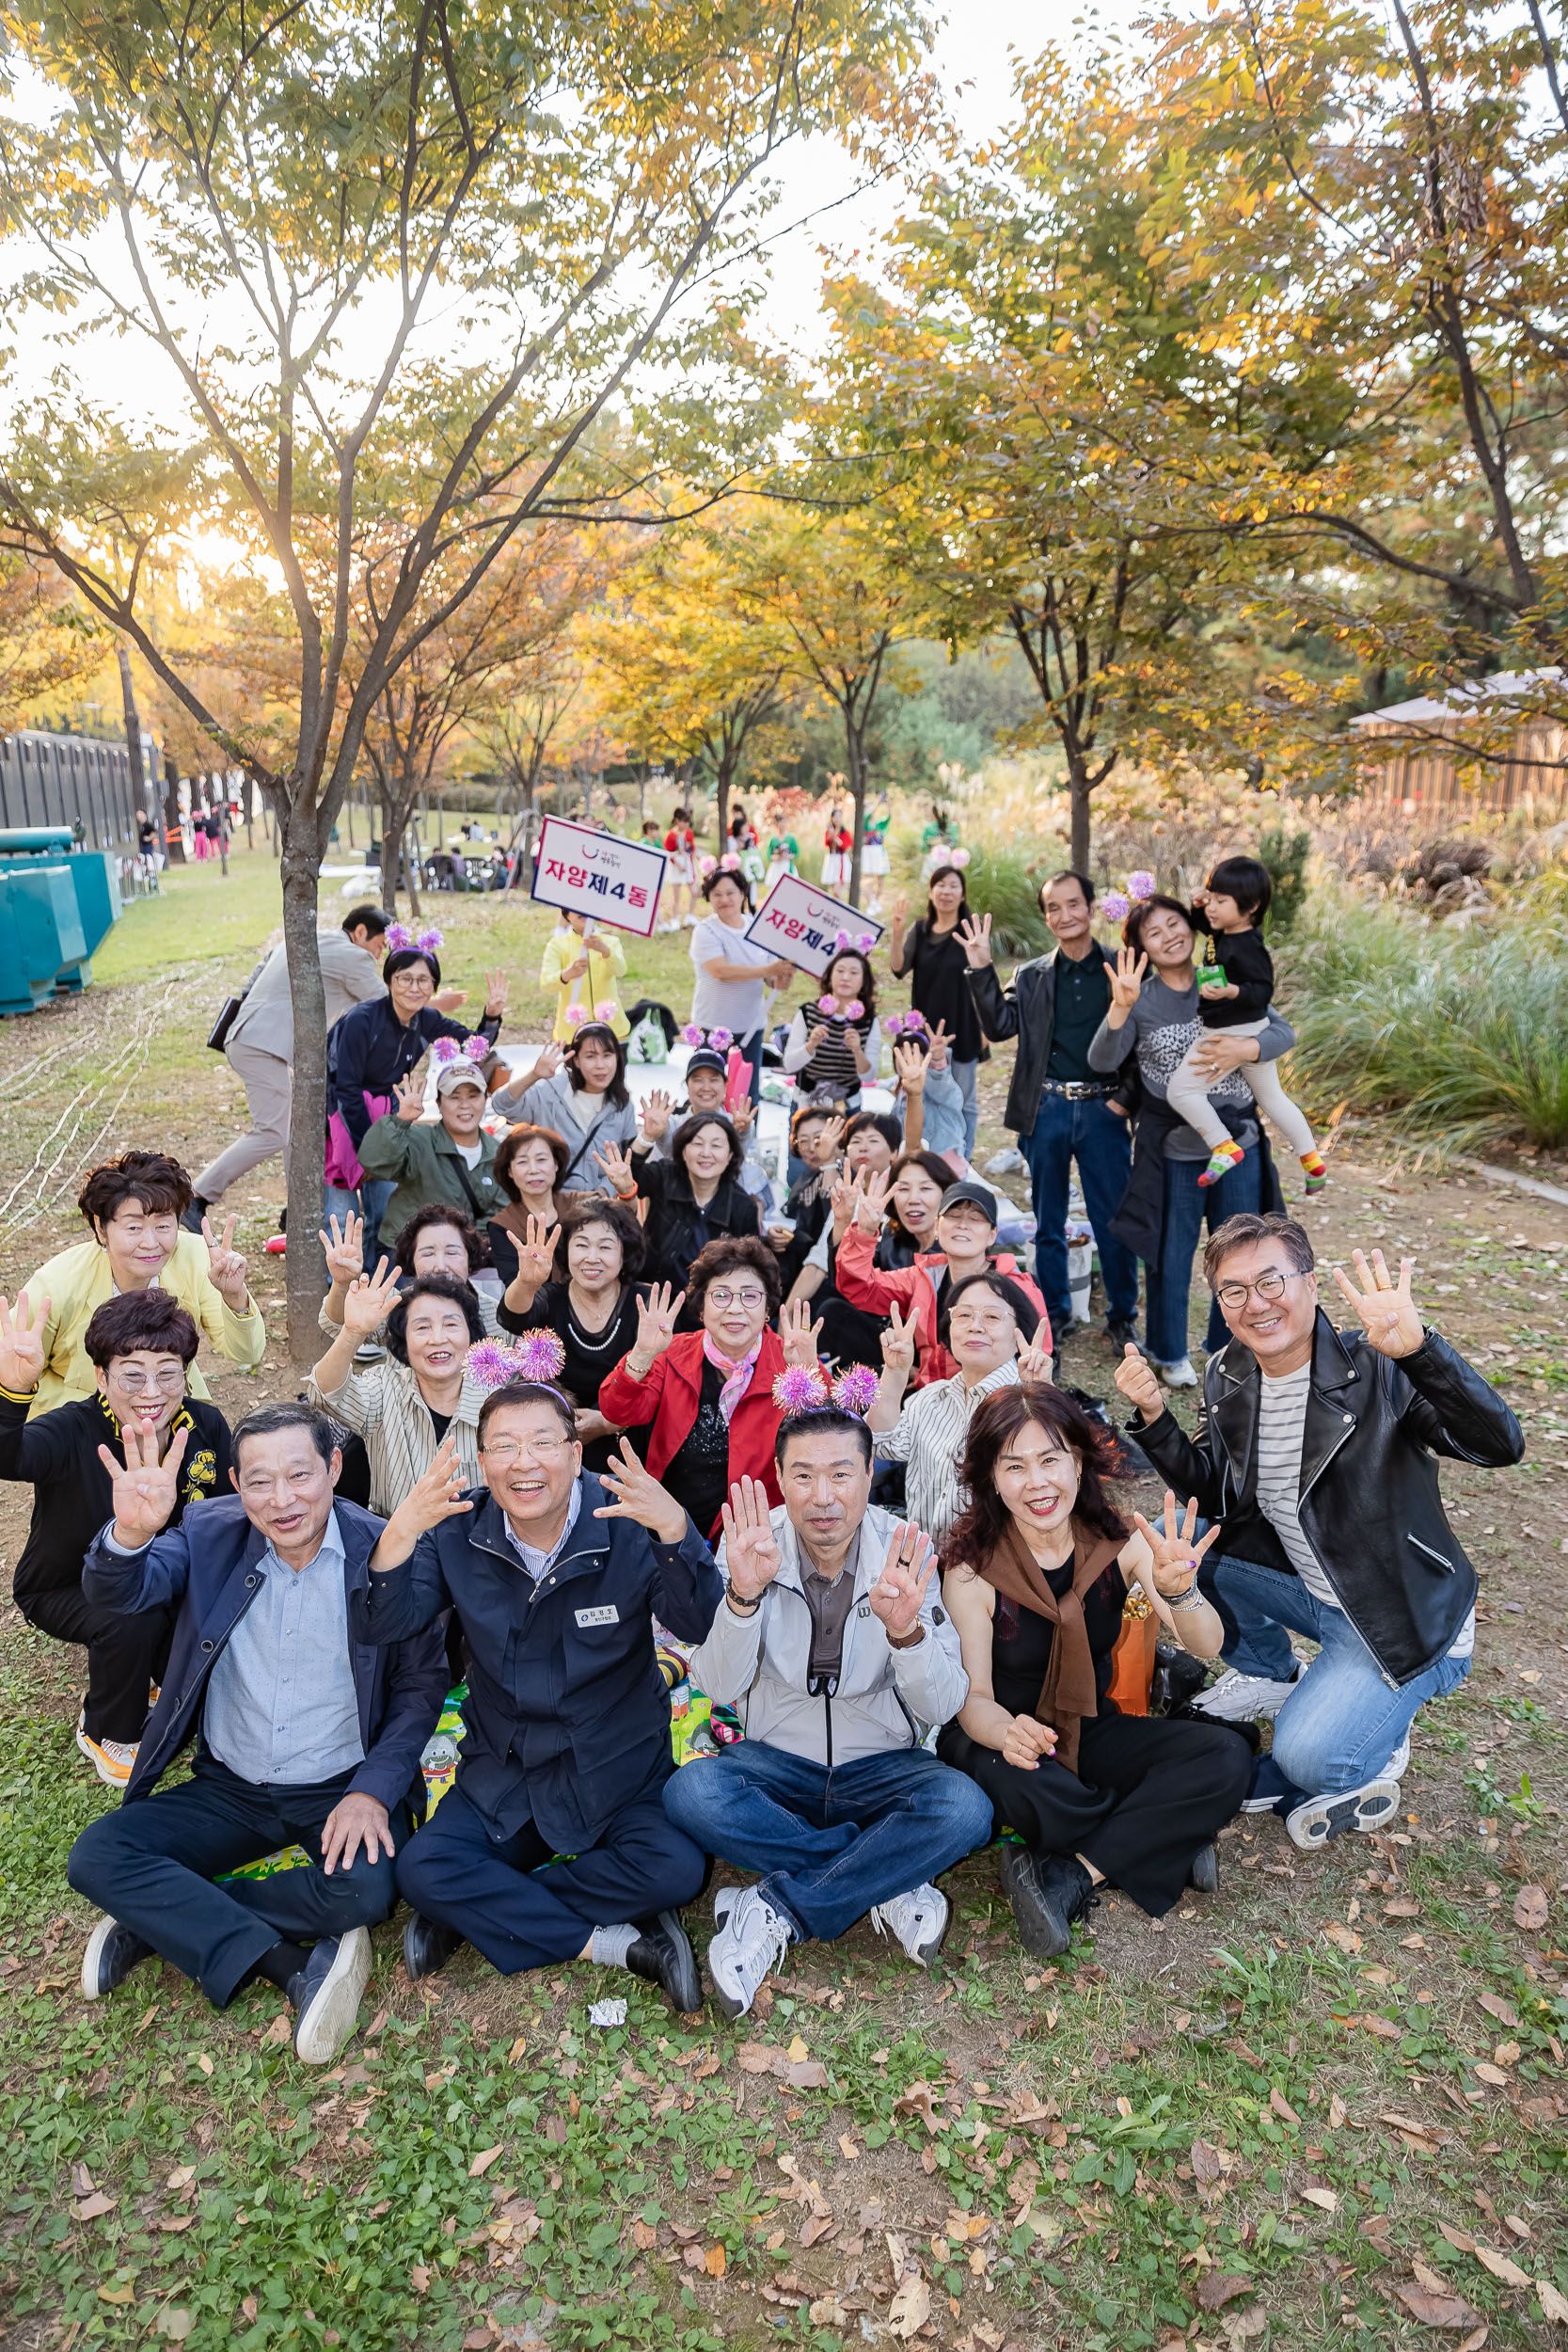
x=575, y=1014
x=1140, y=885
x=605, y=1011
x=914, y=1021
x=799, y=1389
x=428, y=942
x=448, y=1049
x=842, y=939
x=721, y=1040
x=855, y=1391
x=540, y=1357
x=958, y=858
x=866, y=941
x=1116, y=906
x=492, y=1363
x=399, y=936
x=691, y=1035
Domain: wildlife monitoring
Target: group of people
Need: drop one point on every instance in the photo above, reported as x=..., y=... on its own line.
x=585, y=1404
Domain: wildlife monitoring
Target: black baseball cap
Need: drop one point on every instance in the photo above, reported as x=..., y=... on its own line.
x=976, y=1195
x=706, y=1058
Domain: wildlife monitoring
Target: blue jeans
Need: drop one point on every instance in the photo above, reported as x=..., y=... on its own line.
x=828, y=1842
x=968, y=1075
x=1187, y=1209
x=1341, y=1722
x=1093, y=1136
x=370, y=1202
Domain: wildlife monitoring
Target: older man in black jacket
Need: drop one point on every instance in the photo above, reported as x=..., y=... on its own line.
x=1316, y=1451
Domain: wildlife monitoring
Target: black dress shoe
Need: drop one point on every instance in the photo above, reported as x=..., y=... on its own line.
x=192, y=1217
x=1048, y=1892
x=1121, y=1331
x=663, y=1954
x=112, y=1952
x=427, y=1947
x=1203, y=1873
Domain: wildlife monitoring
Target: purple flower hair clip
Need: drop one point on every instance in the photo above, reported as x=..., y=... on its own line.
x=691, y=1035
x=721, y=1040
x=799, y=1389
x=399, y=936
x=1140, y=886
x=428, y=942
x=1116, y=906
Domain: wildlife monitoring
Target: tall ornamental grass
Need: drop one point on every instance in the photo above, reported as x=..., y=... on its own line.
x=1461, y=1036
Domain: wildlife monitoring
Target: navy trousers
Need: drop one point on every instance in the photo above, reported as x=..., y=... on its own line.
x=152, y=1865
x=522, y=1909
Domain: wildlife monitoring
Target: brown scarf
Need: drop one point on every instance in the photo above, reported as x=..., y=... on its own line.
x=513, y=1220
x=1069, y=1690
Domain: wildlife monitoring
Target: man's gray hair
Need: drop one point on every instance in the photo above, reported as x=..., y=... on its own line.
x=1240, y=1232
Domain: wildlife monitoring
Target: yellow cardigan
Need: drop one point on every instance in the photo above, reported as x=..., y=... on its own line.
x=78, y=1281
x=595, y=987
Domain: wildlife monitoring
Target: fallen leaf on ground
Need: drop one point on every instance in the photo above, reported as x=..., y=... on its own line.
x=910, y=2307
x=122, y=2293
x=176, y=2322
x=1344, y=1939
x=1532, y=1909
x=518, y=2049
x=1208, y=2163
x=714, y=2260
x=1436, y=2310
x=643, y=2237
x=828, y=2311
x=1403, y=1907
x=93, y=2208
x=1487, y=2072
x=282, y=2029
x=1500, y=2266
x=807, y=2074
x=482, y=2163
x=181, y=2174
x=1281, y=2107
x=848, y=2148
x=760, y=2057
x=796, y=2052
x=815, y=2226
x=1506, y=2053
x=419, y=2279
x=1553, y=2303
x=1459, y=2240
x=1504, y=2012
x=1337, y=2111
x=1218, y=2287
x=204, y=2062
x=1240, y=2326
x=1323, y=2198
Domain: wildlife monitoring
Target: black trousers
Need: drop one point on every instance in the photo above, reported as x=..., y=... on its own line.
x=152, y=1865
x=124, y=1653
x=1147, y=1794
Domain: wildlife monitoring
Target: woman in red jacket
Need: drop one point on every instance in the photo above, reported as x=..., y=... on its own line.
x=709, y=1394
x=965, y=1244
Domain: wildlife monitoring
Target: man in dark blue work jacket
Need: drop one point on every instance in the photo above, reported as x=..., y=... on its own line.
x=556, y=1579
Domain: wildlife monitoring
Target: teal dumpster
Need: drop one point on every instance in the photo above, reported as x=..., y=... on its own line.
x=57, y=903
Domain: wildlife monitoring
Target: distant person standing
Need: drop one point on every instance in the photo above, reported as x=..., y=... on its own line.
x=261, y=1045
x=680, y=847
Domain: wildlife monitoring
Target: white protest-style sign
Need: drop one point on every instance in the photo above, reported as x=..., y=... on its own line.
x=616, y=882
x=802, y=925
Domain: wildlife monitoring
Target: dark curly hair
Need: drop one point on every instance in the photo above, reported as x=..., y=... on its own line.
x=432, y=1286
x=402, y=959
x=998, y=1418
x=693, y=1126
x=739, y=1255
x=728, y=873
x=596, y=1208
x=154, y=1181
x=148, y=1319
x=440, y=1213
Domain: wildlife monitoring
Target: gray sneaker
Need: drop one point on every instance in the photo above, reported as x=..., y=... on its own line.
x=1322, y=1818
x=1237, y=1698
x=751, y=1940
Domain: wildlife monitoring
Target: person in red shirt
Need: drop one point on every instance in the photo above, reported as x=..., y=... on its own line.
x=680, y=880
x=965, y=1239
x=708, y=1394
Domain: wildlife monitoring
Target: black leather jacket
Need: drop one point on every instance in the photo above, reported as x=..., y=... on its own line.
x=1026, y=1010
x=1370, y=1501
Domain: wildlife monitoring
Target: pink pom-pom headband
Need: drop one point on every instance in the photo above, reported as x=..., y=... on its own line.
x=537, y=1357
x=803, y=1388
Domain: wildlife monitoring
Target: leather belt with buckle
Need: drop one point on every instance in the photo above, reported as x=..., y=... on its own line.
x=1079, y=1090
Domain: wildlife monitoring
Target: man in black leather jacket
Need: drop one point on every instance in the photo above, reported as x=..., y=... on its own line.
x=1317, y=1450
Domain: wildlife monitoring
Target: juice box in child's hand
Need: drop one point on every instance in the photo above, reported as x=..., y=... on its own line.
x=1209, y=975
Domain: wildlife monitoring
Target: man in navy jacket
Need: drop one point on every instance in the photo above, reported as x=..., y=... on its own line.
x=306, y=1736
x=568, y=1747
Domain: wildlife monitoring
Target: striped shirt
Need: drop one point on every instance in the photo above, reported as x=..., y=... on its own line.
x=382, y=1403
x=932, y=1431
x=830, y=1072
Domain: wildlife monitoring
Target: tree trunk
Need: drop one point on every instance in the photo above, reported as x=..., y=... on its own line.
x=857, y=794
x=304, y=1264
x=722, y=803
x=1079, y=788
x=392, y=855
x=133, y=731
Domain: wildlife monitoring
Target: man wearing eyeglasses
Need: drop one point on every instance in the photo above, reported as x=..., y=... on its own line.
x=556, y=1576
x=140, y=1345
x=1317, y=1450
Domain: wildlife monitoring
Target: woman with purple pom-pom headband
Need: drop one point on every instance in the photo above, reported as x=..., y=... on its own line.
x=1116, y=905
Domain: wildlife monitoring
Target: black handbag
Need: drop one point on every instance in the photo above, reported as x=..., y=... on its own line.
x=228, y=1014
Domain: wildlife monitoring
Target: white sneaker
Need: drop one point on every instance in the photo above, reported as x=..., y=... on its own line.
x=328, y=1990
x=1399, y=1763
x=751, y=1939
x=1237, y=1698
x=1321, y=1819
x=113, y=1760
x=918, y=1919
x=1178, y=1375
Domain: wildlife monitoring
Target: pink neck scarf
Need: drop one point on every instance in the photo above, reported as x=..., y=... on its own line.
x=738, y=1375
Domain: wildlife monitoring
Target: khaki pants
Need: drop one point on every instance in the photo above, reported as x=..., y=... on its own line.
x=268, y=1083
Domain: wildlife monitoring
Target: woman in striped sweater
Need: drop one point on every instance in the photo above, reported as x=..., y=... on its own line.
x=835, y=1043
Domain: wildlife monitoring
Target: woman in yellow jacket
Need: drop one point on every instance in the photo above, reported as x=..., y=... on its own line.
x=583, y=966
x=132, y=1206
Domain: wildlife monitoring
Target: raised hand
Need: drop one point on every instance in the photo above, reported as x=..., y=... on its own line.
x=345, y=1249
x=536, y=1253
x=975, y=939
x=498, y=988
x=845, y=1194
x=907, y=1571
x=871, y=1204
x=742, y=1116
x=409, y=1104
x=1135, y=1379
x=798, y=1334
x=830, y=1143
x=638, y=1496
x=941, y=1045
x=1175, y=1555
x=437, y=1496
x=899, y=1342
x=655, y=1116
x=144, y=1490
x=618, y=1167
x=898, y=913
x=226, y=1265
x=546, y=1063
x=1034, y=1361
x=447, y=999
x=1383, y=1307
x=908, y=1065
x=655, y=1323
x=370, y=1299
x=752, y=1554
x=1027, y=1740
x=1127, y=980
x=22, y=1332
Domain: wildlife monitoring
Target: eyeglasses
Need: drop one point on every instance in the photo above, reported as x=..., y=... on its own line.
x=547, y=1450
x=137, y=1383
x=738, y=1298
x=1268, y=1285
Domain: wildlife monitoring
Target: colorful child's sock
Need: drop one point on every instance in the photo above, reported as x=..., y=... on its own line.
x=1317, y=1170
x=1224, y=1157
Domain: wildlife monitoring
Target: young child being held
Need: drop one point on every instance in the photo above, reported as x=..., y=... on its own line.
x=1236, y=901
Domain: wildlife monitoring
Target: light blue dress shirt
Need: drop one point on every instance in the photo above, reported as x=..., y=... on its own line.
x=281, y=1705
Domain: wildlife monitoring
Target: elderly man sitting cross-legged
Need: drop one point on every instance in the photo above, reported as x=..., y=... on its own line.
x=836, y=1652
x=303, y=1737
x=1317, y=1450
x=568, y=1740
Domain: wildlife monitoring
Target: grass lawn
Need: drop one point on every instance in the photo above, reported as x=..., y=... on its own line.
x=1327, y=2101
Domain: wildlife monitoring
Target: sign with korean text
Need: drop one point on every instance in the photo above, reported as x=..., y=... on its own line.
x=802, y=924
x=588, y=872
